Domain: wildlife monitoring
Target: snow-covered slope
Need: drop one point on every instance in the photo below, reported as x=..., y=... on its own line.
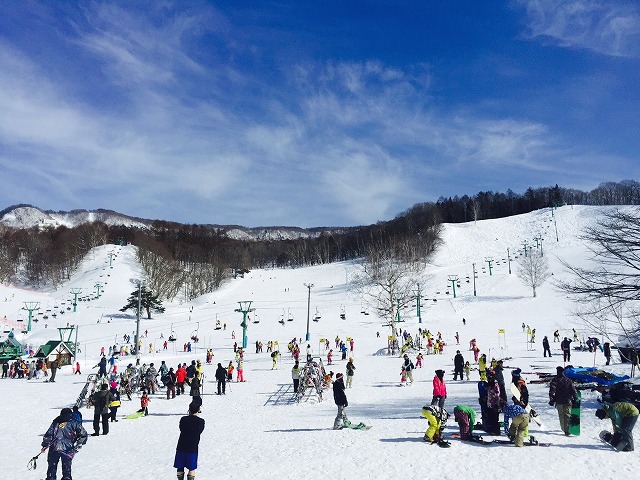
x=256, y=432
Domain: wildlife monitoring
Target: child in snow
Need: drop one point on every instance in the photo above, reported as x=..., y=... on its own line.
x=144, y=403
x=467, y=369
x=419, y=358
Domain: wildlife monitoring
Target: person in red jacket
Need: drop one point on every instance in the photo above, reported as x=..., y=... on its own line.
x=439, y=389
x=181, y=376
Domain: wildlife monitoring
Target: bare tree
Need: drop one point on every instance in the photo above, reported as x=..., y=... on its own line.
x=533, y=270
x=388, y=284
x=608, y=293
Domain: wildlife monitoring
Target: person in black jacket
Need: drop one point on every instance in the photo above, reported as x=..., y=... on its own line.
x=191, y=427
x=170, y=382
x=545, y=347
x=606, y=348
x=458, y=366
x=340, y=397
x=562, y=394
x=101, y=400
x=221, y=377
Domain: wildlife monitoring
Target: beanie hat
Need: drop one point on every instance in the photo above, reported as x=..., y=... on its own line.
x=559, y=370
x=338, y=375
x=516, y=372
x=113, y=385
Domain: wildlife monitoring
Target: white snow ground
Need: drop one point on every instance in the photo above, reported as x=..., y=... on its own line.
x=256, y=432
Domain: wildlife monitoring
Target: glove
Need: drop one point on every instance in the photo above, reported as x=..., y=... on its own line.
x=533, y=413
x=551, y=403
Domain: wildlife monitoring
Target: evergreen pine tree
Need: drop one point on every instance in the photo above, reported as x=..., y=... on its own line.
x=148, y=302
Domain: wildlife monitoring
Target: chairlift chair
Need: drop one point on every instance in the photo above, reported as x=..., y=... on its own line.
x=343, y=315
x=255, y=318
x=281, y=320
x=290, y=317
x=316, y=317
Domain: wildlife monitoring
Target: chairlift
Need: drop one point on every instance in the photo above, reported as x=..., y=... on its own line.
x=172, y=337
x=218, y=326
x=6, y=328
x=366, y=311
x=290, y=317
x=281, y=320
x=343, y=314
x=255, y=318
x=54, y=315
x=45, y=317
x=194, y=334
x=316, y=317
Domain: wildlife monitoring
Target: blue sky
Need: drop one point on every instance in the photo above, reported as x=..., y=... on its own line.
x=329, y=113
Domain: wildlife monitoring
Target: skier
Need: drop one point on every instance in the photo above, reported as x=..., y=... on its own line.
x=340, y=398
x=221, y=377
x=102, y=367
x=419, y=359
x=439, y=389
x=545, y=347
x=408, y=368
x=274, y=359
x=458, y=365
x=624, y=416
x=181, y=376
x=350, y=372
x=191, y=427
x=64, y=438
x=330, y=357
x=562, y=394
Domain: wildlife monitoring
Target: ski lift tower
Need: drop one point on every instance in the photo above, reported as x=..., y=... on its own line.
x=75, y=292
x=138, y=283
x=31, y=307
x=309, y=287
x=245, y=308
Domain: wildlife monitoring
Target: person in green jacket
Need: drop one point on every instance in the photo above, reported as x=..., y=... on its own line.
x=624, y=416
x=466, y=418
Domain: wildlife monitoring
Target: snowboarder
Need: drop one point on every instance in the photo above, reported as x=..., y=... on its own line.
x=562, y=394
x=466, y=418
x=437, y=418
x=64, y=438
x=624, y=416
x=191, y=427
x=340, y=398
x=519, y=423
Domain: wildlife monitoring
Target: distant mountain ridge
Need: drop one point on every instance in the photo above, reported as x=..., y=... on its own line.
x=28, y=216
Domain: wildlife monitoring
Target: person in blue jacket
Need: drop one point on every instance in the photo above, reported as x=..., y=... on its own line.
x=63, y=439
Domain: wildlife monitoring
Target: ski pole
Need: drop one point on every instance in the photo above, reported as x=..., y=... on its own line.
x=33, y=462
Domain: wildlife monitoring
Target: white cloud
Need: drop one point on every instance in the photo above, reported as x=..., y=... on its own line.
x=605, y=26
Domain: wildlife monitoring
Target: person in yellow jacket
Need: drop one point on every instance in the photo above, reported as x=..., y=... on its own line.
x=482, y=367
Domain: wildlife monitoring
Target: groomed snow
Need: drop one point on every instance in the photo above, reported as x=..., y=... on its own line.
x=256, y=432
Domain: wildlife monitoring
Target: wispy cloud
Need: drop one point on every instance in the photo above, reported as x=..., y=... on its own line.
x=605, y=26
x=190, y=134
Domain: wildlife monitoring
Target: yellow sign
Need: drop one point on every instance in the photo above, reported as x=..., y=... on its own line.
x=501, y=330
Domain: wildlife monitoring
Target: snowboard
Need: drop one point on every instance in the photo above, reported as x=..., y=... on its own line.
x=608, y=438
x=574, y=420
x=358, y=426
x=536, y=419
x=134, y=415
x=531, y=443
x=474, y=438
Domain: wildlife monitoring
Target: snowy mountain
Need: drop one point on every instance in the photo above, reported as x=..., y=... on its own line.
x=25, y=216
x=257, y=431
